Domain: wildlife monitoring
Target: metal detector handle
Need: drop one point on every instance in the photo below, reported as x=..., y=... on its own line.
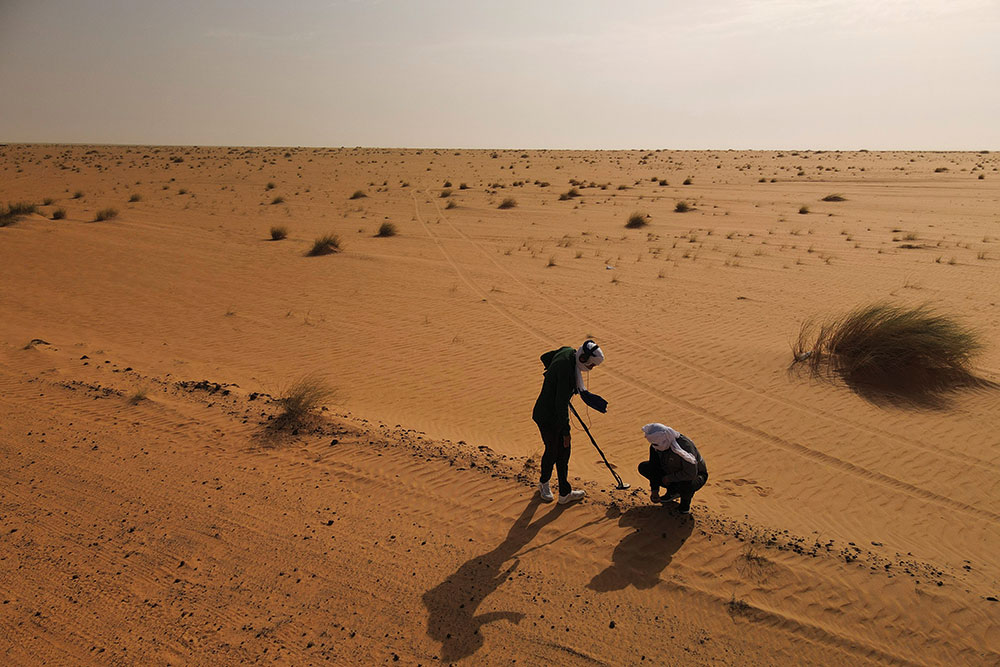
x=621, y=484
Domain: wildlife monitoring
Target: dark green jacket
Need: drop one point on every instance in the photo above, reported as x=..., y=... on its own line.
x=552, y=405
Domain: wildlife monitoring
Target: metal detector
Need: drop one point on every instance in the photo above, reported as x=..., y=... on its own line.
x=621, y=485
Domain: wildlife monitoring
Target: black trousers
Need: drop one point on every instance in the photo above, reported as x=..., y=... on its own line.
x=557, y=455
x=652, y=471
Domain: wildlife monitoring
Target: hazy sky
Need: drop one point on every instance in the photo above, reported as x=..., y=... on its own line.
x=831, y=74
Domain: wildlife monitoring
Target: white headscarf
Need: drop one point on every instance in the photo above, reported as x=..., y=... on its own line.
x=596, y=357
x=663, y=438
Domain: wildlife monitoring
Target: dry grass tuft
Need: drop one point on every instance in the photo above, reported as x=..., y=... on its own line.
x=106, y=214
x=279, y=232
x=509, y=202
x=140, y=395
x=636, y=220
x=386, y=229
x=834, y=197
x=325, y=245
x=894, y=352
x=15, y=212
x=303, y=397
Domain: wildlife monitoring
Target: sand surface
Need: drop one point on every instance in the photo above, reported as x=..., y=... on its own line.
x=400, y=525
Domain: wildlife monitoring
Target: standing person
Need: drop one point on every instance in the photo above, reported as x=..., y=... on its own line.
x=674, y=462
x=564, y=370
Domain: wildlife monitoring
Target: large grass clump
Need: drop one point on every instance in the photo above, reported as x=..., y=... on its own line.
x=325, y=245
x=386, y=229
x=909, y=351
x=279, y=232
x=637, y=220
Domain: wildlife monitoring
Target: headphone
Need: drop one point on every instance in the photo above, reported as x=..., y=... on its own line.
x=589, y=347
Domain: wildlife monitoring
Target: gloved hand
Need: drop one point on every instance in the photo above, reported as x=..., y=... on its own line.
x=594, y=401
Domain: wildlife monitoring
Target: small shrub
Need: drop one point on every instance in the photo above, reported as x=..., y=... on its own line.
x=451, y=204
x=682, y=207
x=463, y=186
x=279, y=232
x=78, y=194
x=48, y=201
x=509, y=202
x=834, y=197
x=140, y=395
x=637, y=220
x=21, y=208
x=269, y=186
x=325, y=245
x=552, y=261
x=386, y=229
x=688, y=181
x=134, y=198
x=278, y=200
x=15, y=212
x=447, y=184
x=940, y=170
x=59, y=214
x=360, y=194
x=445, y=193
x=303, y=397
x=803, y=210
x=106, y=214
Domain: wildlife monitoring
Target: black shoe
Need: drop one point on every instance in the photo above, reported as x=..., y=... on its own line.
x=669, y=498
x=685, y=507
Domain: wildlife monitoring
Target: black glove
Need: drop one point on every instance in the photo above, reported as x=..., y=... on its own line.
x=594, y=401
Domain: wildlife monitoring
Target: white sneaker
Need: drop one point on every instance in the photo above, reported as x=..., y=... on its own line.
x=576, y=494
x=545, y=492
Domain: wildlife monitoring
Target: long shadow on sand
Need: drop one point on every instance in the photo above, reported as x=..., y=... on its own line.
x=452, y=604
x=643, y=554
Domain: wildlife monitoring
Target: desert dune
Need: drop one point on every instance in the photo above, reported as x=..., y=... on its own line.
x=153, y=514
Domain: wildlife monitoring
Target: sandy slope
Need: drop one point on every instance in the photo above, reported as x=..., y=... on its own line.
x=879, y=520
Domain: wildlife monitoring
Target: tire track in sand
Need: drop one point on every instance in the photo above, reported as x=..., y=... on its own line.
x=744, y=429
x=698, y=368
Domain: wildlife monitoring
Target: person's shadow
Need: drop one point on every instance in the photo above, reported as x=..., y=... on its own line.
x=642, y=555
x=452, y=604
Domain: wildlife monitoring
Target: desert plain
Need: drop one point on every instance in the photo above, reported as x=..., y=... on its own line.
x=151, y=513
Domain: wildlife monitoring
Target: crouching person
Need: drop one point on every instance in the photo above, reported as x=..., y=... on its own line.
x=675, y=463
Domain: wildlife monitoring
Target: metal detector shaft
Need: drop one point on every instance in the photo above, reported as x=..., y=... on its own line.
x=621, y=484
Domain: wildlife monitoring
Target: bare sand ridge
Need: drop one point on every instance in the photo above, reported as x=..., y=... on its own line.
x=835, y=528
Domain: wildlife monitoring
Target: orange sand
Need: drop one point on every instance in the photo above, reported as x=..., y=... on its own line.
x=834, y=528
